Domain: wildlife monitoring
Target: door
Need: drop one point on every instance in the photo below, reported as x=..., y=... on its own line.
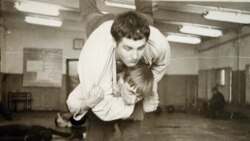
x=72, y=79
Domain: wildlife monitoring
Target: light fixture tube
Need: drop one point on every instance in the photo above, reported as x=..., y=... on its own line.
x=43, y=21
x=104, y=12
x=234, y=17
x=183, y=39
x=37, y=7
x=122, y=5
x=201, y=31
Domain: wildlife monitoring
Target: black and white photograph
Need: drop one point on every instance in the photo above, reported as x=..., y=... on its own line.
x=124, y=70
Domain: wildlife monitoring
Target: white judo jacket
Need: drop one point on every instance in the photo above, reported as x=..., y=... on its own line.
x=97, y=65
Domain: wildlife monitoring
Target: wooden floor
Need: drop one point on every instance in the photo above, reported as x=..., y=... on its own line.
x=166, y=127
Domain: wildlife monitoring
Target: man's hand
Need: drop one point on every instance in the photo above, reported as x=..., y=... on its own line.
x=96, y=95
x=61, y=122
x=116, y=90
x=127, y=93
x=150, y=103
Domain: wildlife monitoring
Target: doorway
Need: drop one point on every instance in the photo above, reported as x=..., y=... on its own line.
x=72, y=79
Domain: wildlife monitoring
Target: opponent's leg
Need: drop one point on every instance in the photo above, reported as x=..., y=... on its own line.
x=145, y=8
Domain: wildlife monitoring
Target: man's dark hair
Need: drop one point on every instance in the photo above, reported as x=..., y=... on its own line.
x=130, y=25
x=214, y=89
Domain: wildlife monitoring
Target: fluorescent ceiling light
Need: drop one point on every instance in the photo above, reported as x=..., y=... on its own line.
x=38, y=7
x=104, y=12
x=183, y=39
x=43, y=21
x=234, y=17
x=201, y=31
x=122, y=5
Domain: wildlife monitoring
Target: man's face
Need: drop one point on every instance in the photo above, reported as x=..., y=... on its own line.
x=130, y=51
x=130, y=91
x=133, y=90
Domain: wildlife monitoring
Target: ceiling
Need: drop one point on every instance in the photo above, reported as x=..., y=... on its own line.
x=168, y=16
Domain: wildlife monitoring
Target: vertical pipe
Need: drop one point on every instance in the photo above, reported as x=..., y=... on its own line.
x=238, y=69
x=0, y=49
x=2, y=44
